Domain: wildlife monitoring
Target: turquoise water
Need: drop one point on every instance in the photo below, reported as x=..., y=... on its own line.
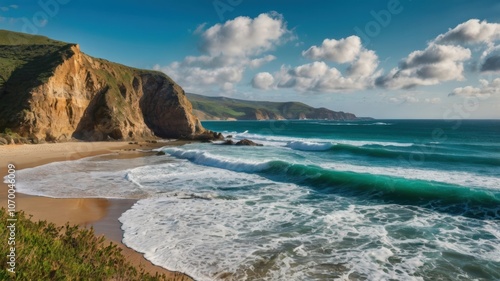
x=321, y=200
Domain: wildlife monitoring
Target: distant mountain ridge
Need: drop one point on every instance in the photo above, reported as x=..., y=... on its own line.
x=222, y=108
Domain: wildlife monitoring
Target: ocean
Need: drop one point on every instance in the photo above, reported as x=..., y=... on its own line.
x=321, y=200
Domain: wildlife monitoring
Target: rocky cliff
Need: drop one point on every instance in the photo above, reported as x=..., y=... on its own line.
x=222, y=108
x=50, y=90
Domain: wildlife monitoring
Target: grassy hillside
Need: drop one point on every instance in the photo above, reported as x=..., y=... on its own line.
x=26, y=61
x=227, y=108
x=28, y=57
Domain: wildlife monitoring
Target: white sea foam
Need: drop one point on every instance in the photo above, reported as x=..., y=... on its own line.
x=274, y=140
x=208, y=159
x=284, y=237
x=352, y=124
x=221, y=219
x=309, y=146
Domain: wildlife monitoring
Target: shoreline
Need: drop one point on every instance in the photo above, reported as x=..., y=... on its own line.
x=100, y=213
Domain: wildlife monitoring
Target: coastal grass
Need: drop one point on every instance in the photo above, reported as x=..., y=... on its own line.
x=47, y=252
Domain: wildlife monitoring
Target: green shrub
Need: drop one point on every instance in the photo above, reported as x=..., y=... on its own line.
x=47, y=252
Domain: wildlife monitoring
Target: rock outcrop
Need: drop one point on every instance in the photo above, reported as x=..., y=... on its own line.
x=52, y=91
x=248, y=142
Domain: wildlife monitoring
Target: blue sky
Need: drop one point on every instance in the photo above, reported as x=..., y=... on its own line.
x=385, y=59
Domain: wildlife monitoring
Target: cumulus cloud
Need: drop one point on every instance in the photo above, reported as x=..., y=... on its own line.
x=486, y=89
x=491, y=64
x=443, y=59
x=435, y=64
x=364, y=66
x=263, y=81
x=318, y=76
x=471, y=31
x=341, y=51
x=228, y=50
x=244, y=36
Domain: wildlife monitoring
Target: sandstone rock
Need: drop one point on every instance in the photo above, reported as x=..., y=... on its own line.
x=208, y=136
x=93, y=99
x=3, y=141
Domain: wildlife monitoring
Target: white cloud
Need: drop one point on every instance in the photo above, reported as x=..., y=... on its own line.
x=263, y=80
x=256, y=63
x=471, y=31
x=435, y=64
x=404, y=99
x=193, y=77
x=244, y=36
x=443, y=59
x=366, y=64
x=318, y=76
x=340, y=51
x=486, y=89
x=229, y=49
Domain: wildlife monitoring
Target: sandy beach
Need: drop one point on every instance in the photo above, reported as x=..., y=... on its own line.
x=102, y=214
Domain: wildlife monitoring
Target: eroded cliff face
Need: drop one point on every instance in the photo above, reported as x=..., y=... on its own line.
x=93, y=99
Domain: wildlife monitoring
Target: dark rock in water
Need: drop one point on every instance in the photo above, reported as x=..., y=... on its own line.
x=229, y=136
x=248, y=143
x=228, y=142
x=160, y=153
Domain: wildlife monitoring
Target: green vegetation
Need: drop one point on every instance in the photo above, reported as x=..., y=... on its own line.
x=224, y=108
x=26, y=61
x=47, y=252
x=16, y=38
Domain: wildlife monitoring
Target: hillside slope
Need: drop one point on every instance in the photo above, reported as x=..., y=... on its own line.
x=222, y=108
x=50, y=90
